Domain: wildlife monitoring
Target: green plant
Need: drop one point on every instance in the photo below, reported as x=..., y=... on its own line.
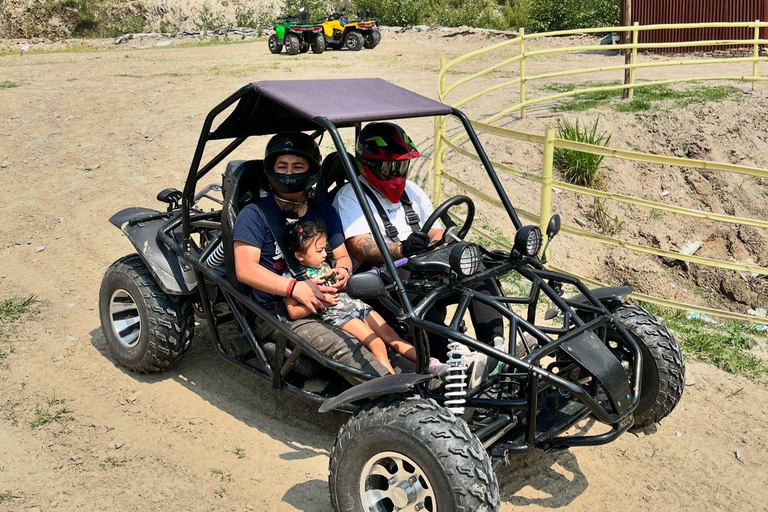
x=7, y=84
x=16, y=309
x=111, y=462
x=396, y=12
x=317, y=9
x=9, y=413
x=551, y=15
x=476, y=13
x=44, y=415
x=7, y=496
x=578, y=167
x=208, y=20
x=517, y=13
x=240, y=452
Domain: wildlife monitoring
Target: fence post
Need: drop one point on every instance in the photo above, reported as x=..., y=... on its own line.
x=633, y=61
x=756, y=54
x=437, y=157
x=546, y=181
x=522, y=71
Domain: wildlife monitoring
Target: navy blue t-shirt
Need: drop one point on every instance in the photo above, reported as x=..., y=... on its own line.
x=252, y=228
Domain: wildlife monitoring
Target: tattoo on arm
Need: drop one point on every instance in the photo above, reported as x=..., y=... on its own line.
x=364, y=249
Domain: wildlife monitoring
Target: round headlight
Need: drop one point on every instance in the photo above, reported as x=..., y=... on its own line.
x=465, y=259
x=528, y=240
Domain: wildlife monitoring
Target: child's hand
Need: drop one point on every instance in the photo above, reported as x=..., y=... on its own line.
x=331, y=299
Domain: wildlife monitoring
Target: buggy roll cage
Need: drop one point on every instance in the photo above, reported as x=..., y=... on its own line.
x=243, y=123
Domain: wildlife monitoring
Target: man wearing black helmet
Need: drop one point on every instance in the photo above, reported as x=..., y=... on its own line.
x=384, y=153
x=291, y=164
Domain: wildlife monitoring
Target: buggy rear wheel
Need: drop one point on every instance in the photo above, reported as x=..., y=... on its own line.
x=146, y=329
x=292, y=44
x=372, y=38
x=410, y=454
x=274, y=45
x=663, y=368
x=318, y=43
x=354, y=41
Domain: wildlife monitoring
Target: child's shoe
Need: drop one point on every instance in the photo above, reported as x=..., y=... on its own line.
x=436, y=367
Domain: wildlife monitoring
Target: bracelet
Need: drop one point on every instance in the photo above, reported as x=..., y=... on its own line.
x=349, y=270
x=291, y=286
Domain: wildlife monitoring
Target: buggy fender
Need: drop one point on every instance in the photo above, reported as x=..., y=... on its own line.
x=173, y=277
x=604, y=294
x=387, y=385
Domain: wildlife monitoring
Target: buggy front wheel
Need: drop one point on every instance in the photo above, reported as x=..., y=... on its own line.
x=410, y=454
x=663, y=368
x=146, y=329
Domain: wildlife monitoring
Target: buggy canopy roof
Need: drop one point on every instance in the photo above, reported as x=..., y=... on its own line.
x=274, y=106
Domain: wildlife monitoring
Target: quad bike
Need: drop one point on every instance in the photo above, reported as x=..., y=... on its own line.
x=353, y=35
x=298, y=35
x=411, y=442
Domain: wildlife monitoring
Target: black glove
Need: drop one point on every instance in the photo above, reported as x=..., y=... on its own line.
x=416, y=243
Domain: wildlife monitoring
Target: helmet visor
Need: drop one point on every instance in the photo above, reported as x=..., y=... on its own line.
x=388, y=169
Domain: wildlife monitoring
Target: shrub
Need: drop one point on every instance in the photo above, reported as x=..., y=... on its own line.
x=403, y=13
x=317, y=9
x=208, y=19
x=258, y=18
x=550, y=15
x=578, y=167
x=476, y=13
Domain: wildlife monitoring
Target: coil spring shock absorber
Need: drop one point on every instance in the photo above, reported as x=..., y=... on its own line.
x=456, y=380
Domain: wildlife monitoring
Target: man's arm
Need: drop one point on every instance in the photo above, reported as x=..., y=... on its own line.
x=364, y=249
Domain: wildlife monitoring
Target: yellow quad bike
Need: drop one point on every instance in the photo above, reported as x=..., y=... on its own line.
x=353, y=35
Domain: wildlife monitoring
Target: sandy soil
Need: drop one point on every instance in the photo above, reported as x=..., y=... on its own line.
x=90, y=132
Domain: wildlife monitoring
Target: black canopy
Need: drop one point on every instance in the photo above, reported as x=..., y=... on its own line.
x=274, y=106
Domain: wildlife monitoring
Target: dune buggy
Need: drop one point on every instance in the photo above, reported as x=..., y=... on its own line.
x=411, y=443
x=353, y=35
x=298, y=35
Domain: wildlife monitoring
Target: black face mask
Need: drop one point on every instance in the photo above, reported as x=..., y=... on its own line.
x=291, y=183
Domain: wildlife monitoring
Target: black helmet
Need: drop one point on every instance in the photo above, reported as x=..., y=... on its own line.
x=292, y=143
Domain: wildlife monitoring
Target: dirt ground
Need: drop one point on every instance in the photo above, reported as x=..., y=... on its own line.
x=88, y=133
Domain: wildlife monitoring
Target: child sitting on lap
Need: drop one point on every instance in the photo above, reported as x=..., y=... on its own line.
x=307, y=241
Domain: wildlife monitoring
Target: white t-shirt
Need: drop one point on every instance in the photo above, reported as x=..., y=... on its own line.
x=354, y=223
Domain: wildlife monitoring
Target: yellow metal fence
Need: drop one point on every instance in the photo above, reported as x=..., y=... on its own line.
x=546, y=180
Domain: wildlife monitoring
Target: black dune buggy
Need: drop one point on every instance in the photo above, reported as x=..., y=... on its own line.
x=409, y=444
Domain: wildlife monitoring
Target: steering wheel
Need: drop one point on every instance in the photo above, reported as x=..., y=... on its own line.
x=441, y=212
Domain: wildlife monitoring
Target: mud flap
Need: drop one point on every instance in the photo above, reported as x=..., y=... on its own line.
x=173, y=277
x=595, y=357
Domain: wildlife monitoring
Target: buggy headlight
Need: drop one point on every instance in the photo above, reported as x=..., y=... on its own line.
x=528, y=240
x=465, y=259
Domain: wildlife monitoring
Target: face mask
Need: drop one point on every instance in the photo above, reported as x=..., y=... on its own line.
x=391, y=189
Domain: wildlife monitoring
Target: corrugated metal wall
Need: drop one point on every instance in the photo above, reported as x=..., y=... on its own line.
x=650, y=12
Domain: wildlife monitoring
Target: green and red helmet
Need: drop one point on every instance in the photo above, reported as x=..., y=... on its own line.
x=385, y=151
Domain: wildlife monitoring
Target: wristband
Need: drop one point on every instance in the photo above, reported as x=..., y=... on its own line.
x=349, y=270
x=291, y=286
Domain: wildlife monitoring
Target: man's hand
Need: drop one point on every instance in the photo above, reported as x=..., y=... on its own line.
x=310, y=295
x=416, y=243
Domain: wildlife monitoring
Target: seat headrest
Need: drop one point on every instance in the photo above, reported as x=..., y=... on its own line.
x=243, y=176
x=333, y=175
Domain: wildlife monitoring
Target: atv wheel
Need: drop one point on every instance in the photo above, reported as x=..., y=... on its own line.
x=292, y=44
x=318, y=43
x=663, y=368
x=146, y=329
x=410, y=454
x=372, y=38
x=274, y=45
x=354, y=41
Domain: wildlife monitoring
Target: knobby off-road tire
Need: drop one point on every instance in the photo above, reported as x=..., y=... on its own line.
x=274, y=46
x=406, y=452
x=146, y=329
x=372, y=38
x=354, y=41
x=663, y=368
x=318, y=43
x=292, y=44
